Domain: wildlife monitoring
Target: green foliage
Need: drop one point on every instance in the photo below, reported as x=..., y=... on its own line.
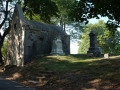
x=40, y=10
x=64, y=7
x=44, y=9
x=72, y=27
x=108, y=43
x=87, y=9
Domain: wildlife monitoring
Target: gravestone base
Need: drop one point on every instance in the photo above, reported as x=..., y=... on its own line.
x=57, y=52
x=57, y=47
x=94, y=52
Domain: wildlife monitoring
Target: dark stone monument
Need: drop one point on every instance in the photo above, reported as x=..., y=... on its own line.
x=94, y=49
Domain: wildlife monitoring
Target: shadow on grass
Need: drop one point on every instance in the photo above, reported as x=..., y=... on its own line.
x=80, y=56
x=101, y=74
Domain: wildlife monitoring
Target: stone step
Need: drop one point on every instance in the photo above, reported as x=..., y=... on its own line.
x=32, y=81
x=39, y=79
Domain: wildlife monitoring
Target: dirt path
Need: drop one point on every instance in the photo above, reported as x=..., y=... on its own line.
x=76, y=80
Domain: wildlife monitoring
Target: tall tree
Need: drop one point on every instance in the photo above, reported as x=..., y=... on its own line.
x=71, y=27
x=44, y=8
x=87, y=9
x=64, y=7
x=108, y=43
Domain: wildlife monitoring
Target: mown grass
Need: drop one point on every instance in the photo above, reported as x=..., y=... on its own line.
x=94, y=68
x=89, y=65
x=68, y=63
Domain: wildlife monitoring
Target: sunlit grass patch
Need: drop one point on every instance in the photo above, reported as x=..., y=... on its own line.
x=97, y=66
x=66, y=63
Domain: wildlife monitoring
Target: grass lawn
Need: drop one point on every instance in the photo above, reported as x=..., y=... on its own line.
x=78, y=72
x=66, y=63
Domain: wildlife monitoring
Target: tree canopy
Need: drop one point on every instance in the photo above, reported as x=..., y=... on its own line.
x=87, y=9
x=44, y=9
x=108, y=43
x=64, y=7
x=73, y=28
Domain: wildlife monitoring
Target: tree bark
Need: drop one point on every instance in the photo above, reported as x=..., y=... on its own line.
x=1, y=60
x=1, y=44
x=5, y=33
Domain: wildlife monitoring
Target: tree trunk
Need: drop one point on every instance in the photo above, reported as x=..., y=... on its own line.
x=1, y=43
x=61, y=23
x=6, y=12
x=1, y=60
x=64, y=26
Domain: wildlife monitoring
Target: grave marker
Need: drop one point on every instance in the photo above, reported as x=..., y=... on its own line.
x=94, y=49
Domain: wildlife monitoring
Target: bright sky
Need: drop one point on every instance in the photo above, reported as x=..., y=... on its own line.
x=93, y=20
x=74, y=46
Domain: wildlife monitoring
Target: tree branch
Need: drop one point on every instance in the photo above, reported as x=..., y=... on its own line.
x=6, y=14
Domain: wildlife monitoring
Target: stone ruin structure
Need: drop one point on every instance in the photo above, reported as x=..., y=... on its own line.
x=94, y=49
x=27, y=39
